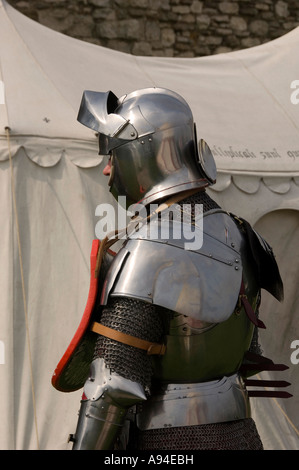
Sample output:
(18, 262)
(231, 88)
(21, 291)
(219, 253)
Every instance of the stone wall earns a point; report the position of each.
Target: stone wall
(171, 28)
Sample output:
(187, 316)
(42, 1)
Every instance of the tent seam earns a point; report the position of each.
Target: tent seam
(268, 92)
(23, 285)
(33, 56)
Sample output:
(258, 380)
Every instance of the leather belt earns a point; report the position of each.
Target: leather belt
(150, 348)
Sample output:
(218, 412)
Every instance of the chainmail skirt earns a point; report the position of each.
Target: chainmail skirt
(234, 435)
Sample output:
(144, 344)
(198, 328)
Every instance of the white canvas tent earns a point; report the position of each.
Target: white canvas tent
(51, 183)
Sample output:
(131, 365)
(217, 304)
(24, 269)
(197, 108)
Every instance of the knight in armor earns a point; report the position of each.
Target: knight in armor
(169, 346)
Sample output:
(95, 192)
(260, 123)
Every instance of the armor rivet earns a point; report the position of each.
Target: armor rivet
(236, 268)
(142, 142)
(236, 260)
(232, 244)
(132, 134)
(150, 139)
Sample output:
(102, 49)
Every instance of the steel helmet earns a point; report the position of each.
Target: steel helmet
(151, 138)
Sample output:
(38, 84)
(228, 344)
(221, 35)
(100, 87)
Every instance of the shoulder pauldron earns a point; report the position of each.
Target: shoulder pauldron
(203, 284)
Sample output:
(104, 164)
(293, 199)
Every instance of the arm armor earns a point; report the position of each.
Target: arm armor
(107, 398)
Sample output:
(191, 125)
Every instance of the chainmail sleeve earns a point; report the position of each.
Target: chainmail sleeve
(135, 318)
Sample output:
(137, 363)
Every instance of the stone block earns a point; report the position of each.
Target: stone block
(196, 7)
(250, 42)
(238, 24)
(152, 31)
(167, 37)
(229, 8)
(181, 9)
(101, 3)
(213, 40)
(142, 48)
(203, 21)
(222, 50)
(259, 28)
(281, 9)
